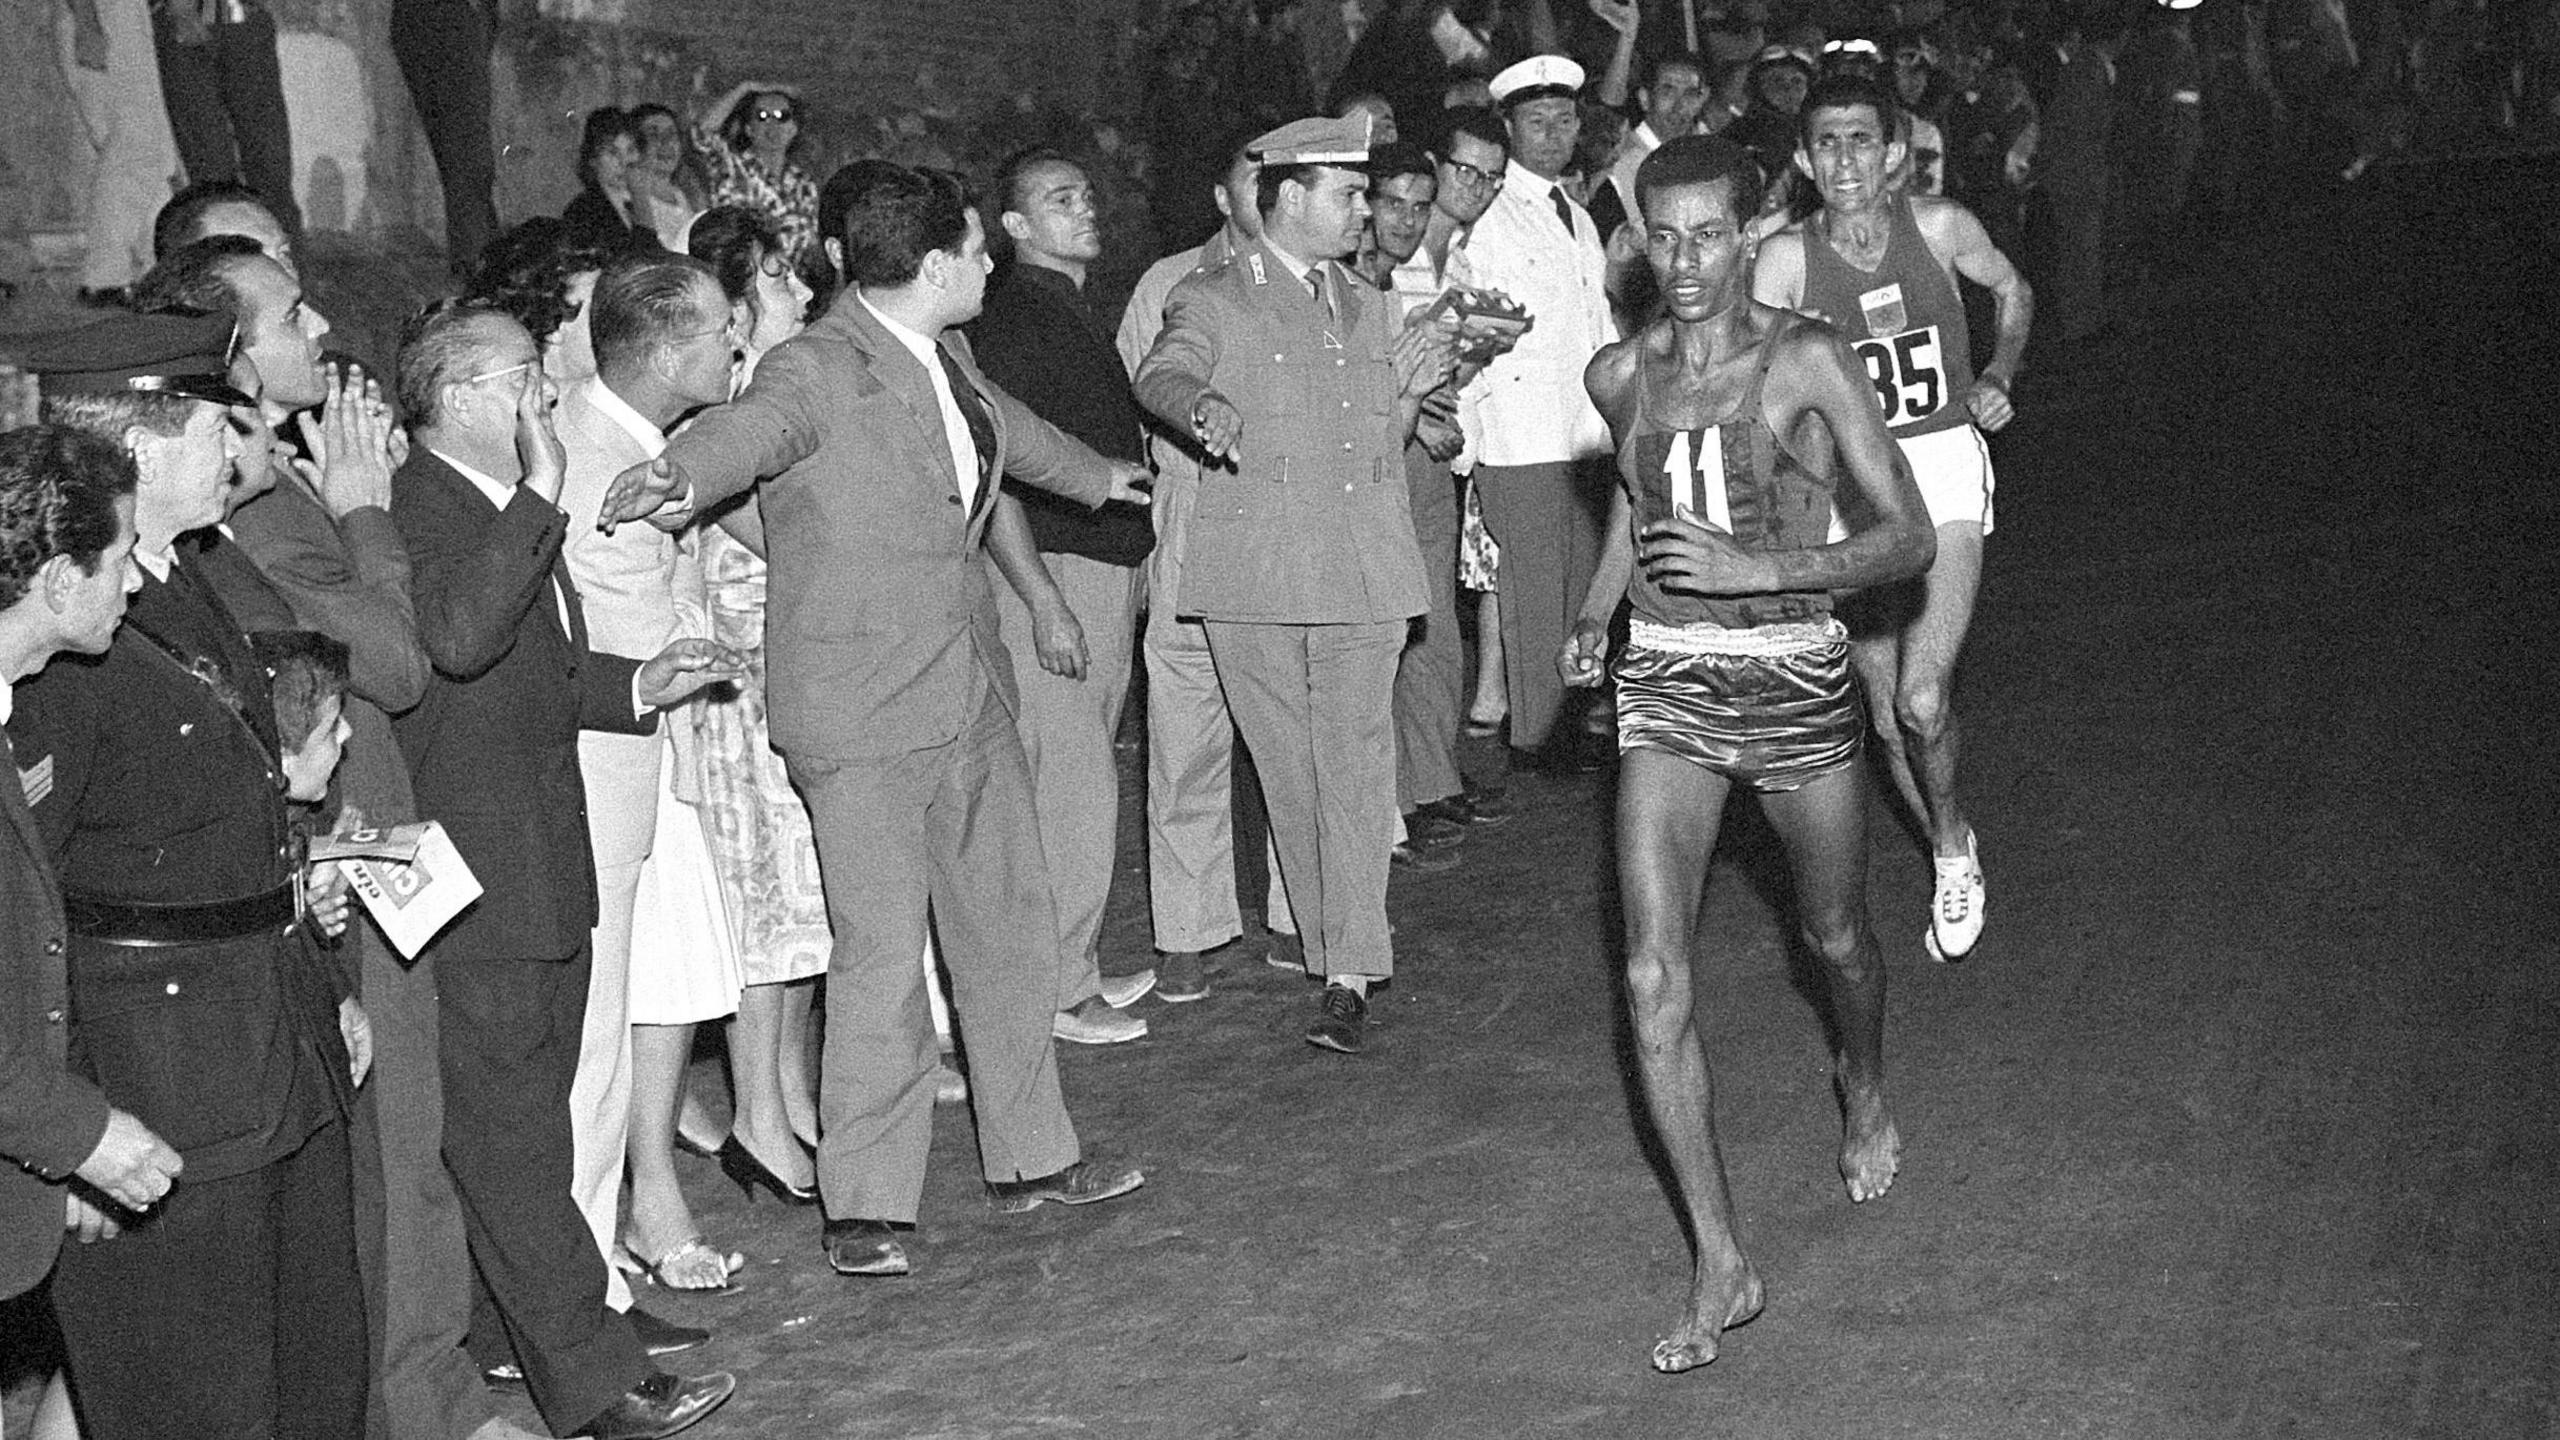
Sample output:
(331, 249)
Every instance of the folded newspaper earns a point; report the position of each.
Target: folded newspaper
(410, 878)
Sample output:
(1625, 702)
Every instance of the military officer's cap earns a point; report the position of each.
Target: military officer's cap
(1540, 77)
(1317, 140)
(184, 355)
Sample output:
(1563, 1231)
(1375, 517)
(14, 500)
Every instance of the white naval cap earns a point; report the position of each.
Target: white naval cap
(1537, 78)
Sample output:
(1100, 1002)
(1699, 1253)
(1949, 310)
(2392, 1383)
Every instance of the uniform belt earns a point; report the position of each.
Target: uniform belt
(142, 922)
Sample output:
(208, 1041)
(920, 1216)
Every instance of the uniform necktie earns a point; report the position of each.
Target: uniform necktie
(1564, 208)
(982, 431)
(1315, 287)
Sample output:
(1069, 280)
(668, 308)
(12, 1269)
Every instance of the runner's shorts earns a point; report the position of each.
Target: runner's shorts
(1769, 712)
(1953, 467)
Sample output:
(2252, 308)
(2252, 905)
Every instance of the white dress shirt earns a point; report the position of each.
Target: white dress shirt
(955, 423)
(1529, 407)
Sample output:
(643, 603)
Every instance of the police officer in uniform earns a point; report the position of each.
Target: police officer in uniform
(231, 1308)
(1302, 565)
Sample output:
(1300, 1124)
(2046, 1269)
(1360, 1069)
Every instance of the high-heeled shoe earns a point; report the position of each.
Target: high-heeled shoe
(741, 1165)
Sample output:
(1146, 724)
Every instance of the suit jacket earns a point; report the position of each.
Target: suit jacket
(154, 778)
(591, 218)
(1313, 524)
(878, 609)
(493, 748)
(50, 1119)
(348, 579)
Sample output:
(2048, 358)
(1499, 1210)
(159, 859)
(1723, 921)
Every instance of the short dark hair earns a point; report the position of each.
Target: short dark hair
(305, 670)
(1844, 90)
(437, 347)
(1702, 160)
(1400, 157)
(605, 124)
(1476, 122)
(525, 272)
(895, 215)
(1019, 164)
(1268, 180)
(643, 301)
(1689, 60)
(182, 218)
(58, 492)
(196, 277)
(733, 240)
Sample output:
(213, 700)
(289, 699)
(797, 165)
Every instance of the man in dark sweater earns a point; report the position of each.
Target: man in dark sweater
(1071, 628)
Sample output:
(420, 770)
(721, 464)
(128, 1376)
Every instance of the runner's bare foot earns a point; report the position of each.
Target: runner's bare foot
(1731, 1293)
(1870, 1149)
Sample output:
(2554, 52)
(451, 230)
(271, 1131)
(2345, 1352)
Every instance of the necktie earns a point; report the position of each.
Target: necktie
(1315, 286)
(1564, 208)
(982, 430)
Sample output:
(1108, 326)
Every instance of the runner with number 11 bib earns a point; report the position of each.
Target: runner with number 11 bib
(1881, 266)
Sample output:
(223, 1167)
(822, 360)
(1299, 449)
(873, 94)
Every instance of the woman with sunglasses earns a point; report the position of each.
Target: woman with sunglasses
(749, 159)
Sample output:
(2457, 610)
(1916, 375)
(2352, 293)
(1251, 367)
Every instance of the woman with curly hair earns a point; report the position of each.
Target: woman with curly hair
(543, 276)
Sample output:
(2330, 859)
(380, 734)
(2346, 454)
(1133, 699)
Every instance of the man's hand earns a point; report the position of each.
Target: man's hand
(642, 491)
(1424, 356)
(1620, 15)
(687, 666)
(1216, 425)
(328, 897)
(1584, 650)
(130, 1164)
(1988, 399)
(357, 1031)
(86, 1221)
(1058, 640)
(1131, 481)
(1682, 555)
(1436, 430)
(546, 460)
(349, 437)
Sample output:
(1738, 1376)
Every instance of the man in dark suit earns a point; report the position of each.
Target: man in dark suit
(493, 753)
(892, 699)
(66, 542)
(154, 776)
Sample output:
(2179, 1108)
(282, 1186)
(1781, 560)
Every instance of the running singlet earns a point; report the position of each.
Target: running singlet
(1905, 320)
(1734, 476)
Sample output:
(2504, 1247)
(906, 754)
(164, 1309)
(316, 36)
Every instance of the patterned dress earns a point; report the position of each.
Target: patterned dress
(739, 178)
(759, 830)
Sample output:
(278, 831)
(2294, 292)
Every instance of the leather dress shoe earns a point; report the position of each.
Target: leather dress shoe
(663, 1337)
(1431, 825)
(1082, 1183)
(865, 1247)
(1421, 859)
(660, 1406)
(1342, 1022)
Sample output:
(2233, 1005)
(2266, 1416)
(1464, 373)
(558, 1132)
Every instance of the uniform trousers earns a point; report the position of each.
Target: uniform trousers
(621, 777)
(953, 826)
(1431, 676)
(1316, 706)
(1547, 520)
(1067, 728)
(233, 1312)
(508, 1042)
(1191, 739)
(226, 107)
(418, 1273)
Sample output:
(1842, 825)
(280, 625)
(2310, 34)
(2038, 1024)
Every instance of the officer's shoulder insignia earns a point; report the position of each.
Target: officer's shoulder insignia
(36, 781)
(1254, 261)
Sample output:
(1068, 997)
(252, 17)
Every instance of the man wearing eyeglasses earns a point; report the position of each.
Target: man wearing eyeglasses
(666, 345)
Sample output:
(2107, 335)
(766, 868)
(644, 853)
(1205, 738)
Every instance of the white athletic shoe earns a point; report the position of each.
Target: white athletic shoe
(1122, 991)
(1955, 912)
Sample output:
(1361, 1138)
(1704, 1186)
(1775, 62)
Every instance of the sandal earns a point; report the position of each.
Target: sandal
(687, 1263)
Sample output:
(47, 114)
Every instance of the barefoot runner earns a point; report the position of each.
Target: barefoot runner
(1736, 425)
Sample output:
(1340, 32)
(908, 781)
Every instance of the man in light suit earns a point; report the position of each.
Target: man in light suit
(892, 698)
(493, 754)
(1532, 436)
(664, 346)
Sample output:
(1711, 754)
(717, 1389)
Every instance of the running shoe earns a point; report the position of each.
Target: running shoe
(1955, 913)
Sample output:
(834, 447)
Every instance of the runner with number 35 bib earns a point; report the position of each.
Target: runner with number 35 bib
(1881, 266)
